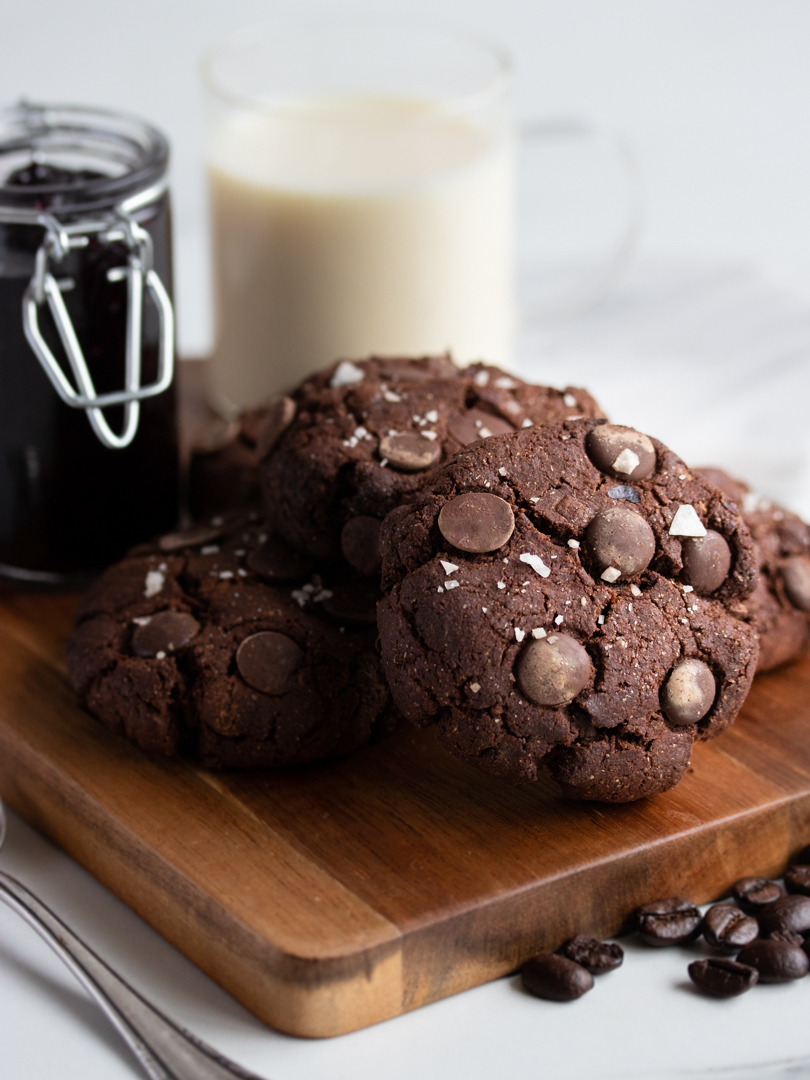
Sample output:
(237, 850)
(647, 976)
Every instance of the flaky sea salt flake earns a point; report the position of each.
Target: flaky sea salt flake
(346, 374)
(536, 563)
(626, 462)
(449, 567)
(686, 522)
(154, 582)
(611, 574)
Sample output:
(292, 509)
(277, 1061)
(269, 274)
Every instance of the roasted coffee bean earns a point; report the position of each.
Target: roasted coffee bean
(553, 670)
(555, 978)
(728, 929)
(723, 978)
(797, 880)
(786, 913)
(595, 956)
(776, 961)
(790, 936)
(673, 921)
(477, 521)
(754, 893)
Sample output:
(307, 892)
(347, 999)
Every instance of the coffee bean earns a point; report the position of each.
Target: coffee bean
(277, 561)
(553, 670)
(802, 858)
(755, 893)
(723, 978)
(790, 936)
(410, 452)
(786, 913)
(360, 544)
(595, 956)
(688, 693)
(476, 424)
(797, 880)
(728, 929)
(622, 452)
(776, 961)
(706, 561)
(192, 537)
(267, 659)
(477, 522)
(796, 576)
(619, 537)
(165, 632)
(354, 601)
(555, 978)
(673, 921)
(278, 417)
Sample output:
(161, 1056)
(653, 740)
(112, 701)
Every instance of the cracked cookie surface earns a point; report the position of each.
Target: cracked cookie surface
(564, 645)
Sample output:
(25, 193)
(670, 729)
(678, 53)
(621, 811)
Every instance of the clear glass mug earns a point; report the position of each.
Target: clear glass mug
(362, 179)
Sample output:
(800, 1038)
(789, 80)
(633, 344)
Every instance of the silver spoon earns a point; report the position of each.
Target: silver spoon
(165, 1050)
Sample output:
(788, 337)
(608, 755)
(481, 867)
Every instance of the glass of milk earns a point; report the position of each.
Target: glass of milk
(362, 187)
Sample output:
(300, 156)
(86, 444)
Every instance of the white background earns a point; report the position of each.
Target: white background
(706, 344)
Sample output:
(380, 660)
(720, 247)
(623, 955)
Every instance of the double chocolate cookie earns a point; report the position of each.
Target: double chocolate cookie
(779, 607)
(565, 596)
(352, 442)
(223, 474)
(219, 642)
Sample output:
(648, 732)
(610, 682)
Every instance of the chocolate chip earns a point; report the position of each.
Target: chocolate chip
(165, 632)
(776, 961)
(354, 601)
(688, 693)
(728, 929)
(621, 452)
(476, 424)
(280, 414)
(553, 670)
(193, 537)
(277, 561)
(797, 880)
(410, 452)
(796, 576)
(786, 913)
(753, 894)
(620, 538)
(624, 491)
(266, 661)
(594, 955)
(706, 561)
(360, 544)
(476, 521)
(723, 978)
(555, 978)
(673, 921)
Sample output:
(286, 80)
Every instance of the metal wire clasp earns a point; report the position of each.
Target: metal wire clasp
(60, 239)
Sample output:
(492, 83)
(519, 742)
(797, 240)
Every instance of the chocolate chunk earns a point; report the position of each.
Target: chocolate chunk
(621, 539)
(625, 492)
(354, 601)
(594, 955)
(267, 659)
(776, 961)
(279, 415)
(797, 880)
(753, 894)
(673, 921)
(553, 670)
(193, 537)
(476, 424)
(796, 576)
(689, 692)
(723, 978)
(165, 632)
(622, 452)
(786, 913)
(277, 561)
(477, 522)
(555, 978)
(706, 561)
(728, 929)
(360, 544)
(410, 452)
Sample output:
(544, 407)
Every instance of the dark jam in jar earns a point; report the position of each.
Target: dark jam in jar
(68, 504)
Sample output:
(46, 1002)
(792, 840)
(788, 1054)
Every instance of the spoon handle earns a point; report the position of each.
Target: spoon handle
(165, 1050)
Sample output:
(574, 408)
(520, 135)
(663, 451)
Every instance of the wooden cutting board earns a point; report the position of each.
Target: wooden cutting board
(331, 897)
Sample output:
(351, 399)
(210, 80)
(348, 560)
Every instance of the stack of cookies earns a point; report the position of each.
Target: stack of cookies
(549, 590)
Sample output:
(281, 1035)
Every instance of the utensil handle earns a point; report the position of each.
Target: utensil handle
(165, 1050)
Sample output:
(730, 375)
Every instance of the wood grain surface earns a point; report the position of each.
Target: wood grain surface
(331, 897)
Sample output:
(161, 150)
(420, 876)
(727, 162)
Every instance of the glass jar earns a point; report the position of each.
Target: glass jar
(88, 426)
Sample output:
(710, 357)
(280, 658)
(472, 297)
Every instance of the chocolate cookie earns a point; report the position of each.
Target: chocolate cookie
(218, 642)
(779, 608)
(368, 433)
(541, 609)
(223, 471)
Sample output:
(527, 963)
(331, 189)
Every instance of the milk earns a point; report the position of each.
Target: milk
(353, 226)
